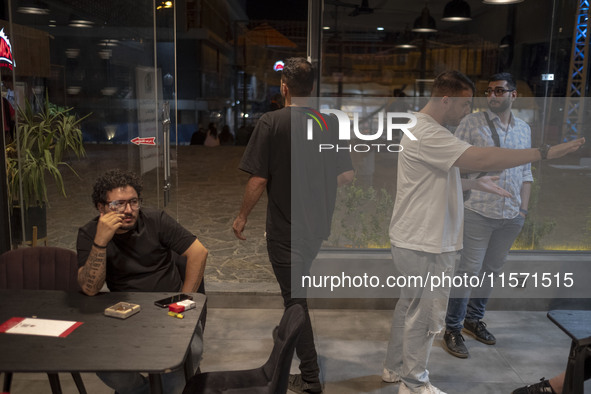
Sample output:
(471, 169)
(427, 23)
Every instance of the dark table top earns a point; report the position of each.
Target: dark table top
(150, 341)
(575, 323)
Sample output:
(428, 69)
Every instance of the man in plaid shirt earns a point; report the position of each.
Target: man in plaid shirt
(491, 222)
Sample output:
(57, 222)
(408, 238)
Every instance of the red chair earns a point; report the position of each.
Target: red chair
(40, 268)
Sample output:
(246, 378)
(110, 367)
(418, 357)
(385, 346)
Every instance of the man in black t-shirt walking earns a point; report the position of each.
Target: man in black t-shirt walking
(304, 190)
(136, 249)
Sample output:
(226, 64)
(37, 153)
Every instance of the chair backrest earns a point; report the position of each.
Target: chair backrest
(279, 363)
(39, 268)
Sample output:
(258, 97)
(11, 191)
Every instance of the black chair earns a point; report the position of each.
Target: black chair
(40, 268)
(271, 378)
(577, 325)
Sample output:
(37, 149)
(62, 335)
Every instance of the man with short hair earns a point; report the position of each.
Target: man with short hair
(132, 248)
(427, 220)
(491, 222)
(304, 192)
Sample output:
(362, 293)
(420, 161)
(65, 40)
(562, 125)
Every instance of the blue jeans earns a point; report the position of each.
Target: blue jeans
(172, 382)
(419, 314)
(486, 245)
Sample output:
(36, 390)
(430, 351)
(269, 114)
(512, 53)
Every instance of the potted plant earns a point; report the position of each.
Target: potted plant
(38, 149)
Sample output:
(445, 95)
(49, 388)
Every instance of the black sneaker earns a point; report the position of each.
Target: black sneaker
(477, 329)
(453, 342)
(538, 388)
(298, 385)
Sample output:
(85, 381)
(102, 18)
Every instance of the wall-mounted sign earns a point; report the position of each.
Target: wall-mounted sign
(6, 59)
(144, 141)
(278, 66)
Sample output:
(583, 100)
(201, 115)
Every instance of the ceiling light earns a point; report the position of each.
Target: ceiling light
(406, 46)
(73, 90)
(502, 1)
(33, 8)
(380, 28)
(326, 28)
(165, 4)
(109, 42)
(80, 23)
(456, 11)
(105, 54)
(109, 91)
(424, 23)
(404, 39)
(72, 53)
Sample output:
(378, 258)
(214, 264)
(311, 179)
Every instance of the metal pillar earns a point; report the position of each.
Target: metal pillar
(577, 78)
(314, 39)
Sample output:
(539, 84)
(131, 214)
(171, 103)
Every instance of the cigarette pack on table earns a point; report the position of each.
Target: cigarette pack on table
(181, 306)
(122, 310)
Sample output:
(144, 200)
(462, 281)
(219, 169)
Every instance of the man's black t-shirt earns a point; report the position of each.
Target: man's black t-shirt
(141, 259)
(301, 180)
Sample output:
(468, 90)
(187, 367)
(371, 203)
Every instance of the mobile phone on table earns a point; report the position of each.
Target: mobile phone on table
(163, 303)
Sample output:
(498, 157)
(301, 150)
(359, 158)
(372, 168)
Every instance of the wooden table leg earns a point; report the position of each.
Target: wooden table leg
(155, 383)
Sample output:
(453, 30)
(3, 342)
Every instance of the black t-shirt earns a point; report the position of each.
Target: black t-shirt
(301, 180)
(142, 259)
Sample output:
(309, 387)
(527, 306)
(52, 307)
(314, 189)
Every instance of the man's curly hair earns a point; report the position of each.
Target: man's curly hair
(112, 180)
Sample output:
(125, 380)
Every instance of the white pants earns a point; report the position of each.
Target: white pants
(419, 314)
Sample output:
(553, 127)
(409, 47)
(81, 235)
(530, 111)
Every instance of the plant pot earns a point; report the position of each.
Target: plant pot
(34, 217)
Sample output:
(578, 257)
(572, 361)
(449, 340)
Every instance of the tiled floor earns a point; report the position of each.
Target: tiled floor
(352, 343)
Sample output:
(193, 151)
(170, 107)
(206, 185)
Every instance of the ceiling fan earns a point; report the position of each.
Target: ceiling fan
(358, 9)
(363, 9)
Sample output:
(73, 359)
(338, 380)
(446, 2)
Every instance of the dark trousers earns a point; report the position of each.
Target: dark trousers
(286, 257)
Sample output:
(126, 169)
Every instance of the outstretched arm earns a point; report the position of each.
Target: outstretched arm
(254, 189)
(196, 257)
(494, 159)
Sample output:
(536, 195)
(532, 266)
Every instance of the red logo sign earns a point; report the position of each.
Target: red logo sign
(6, 59)
(144, 141)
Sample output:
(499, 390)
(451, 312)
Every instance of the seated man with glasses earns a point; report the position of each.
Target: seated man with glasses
(137, 249)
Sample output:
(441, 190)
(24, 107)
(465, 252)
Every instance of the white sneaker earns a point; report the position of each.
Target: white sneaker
(390, 376)
(427, 389)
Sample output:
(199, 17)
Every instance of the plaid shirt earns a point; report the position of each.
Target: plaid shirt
(474, 129)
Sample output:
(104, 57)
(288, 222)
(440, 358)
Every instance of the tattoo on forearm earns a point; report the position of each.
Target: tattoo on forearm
(93, 274)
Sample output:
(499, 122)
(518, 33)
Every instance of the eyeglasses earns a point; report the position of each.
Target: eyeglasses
(498, 91)
(119, 206)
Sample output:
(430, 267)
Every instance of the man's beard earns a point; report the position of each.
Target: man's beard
(129, 226)
(502, 107)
